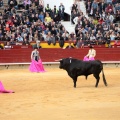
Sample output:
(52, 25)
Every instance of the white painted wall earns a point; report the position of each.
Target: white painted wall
(66, 3)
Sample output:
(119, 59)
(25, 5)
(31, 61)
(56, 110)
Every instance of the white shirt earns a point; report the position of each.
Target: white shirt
(75, 20)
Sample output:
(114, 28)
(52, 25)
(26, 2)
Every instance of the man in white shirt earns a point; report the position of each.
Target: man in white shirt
(76, 19)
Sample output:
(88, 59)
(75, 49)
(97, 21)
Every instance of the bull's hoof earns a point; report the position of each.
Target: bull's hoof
(106, 84)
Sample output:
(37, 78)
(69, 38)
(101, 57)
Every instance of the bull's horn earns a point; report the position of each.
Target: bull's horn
(58, 60)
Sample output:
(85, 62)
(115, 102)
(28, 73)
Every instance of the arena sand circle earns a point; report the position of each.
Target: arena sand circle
(51, 96)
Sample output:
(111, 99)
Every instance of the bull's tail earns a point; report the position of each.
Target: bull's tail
(104, 79)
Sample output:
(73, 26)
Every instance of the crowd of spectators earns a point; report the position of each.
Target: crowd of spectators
(35, 23)
(26, 21)
(102, 24)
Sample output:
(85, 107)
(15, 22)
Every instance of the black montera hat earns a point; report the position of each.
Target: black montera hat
(35, 47)
(91, 46)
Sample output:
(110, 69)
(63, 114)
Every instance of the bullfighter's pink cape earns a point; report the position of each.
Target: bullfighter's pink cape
(88, 59)
(36, 66)
(3, 90)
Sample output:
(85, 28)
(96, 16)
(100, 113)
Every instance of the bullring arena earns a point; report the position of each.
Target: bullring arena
(51, 96)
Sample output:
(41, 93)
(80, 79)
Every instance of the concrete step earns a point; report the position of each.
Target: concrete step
(81, 6)
(68, 26)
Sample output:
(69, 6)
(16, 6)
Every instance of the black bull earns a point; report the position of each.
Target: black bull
(75, 68)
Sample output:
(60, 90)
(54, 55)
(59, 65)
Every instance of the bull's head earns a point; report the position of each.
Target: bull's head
(64, 63)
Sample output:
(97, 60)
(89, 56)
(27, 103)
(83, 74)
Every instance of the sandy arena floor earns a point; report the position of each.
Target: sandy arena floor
(51, 96)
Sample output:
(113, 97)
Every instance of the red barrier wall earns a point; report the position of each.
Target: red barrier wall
(50, 55)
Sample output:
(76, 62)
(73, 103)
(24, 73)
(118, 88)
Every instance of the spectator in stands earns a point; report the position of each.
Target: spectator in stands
(55, 10)
(1, 3)
(94, 7)
(117, 38)
(87, 36)
(30, 37)
(40, 7)
(47, 9)
(13, 29)
(73, 15)
(109, 1)
(7, 28)
(78, 26)
(61, 41)
(53, 40)
(92, 37)
(19, 38)
(98, 34)
(41, 2)
(103, 15)
(1, 35)
(74, 7)
(82, 36)
(110, 17)
(109, 9)
(25, 42)
(97, 15)
(8, 34)
(77, 19)
(88, 7)
(35, 37)
(61, 11)
(100, 20)
(20, 4)
(57, 37)
(36, 2)
(107, 39)
(41, 16)
(101, 7)
(117, 16)
(117, 7)
(53, 31)
(7, 45)
(5, 38)
(47, 18)
(9, 23)
(95, 21)
(50, 39)
(38, 44)
(105, 28)
(12, 3)
(27, 4)
(80, 44)
(112, 36)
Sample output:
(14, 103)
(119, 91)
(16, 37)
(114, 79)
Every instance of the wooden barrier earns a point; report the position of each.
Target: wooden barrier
(44, 44)
(50, 55)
